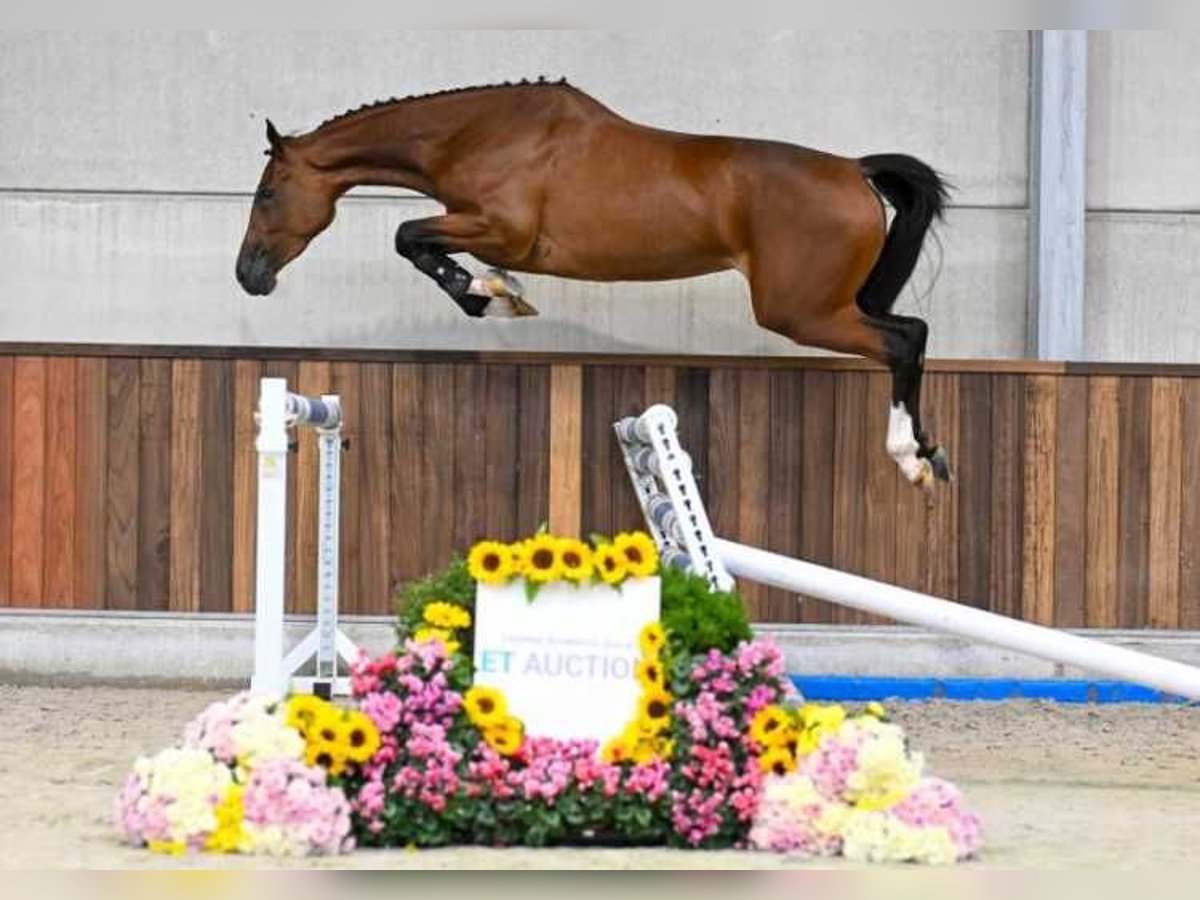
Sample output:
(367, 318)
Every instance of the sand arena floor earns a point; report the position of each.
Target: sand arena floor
(1057, 786)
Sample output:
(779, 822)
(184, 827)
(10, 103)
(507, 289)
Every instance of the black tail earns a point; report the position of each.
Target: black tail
(919, 196)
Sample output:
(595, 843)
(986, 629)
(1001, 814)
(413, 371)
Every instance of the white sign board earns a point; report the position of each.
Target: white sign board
(565, 662)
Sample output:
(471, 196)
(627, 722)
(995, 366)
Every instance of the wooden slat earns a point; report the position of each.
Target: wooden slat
(692, 409)
(313, 379)
(124, 414)
(1070, 503)
(816, 507)
(785, 463)
(753, 474)
(502, 451)
(566, 450)
(154, 485)
(407, 499)
(246, 374)
(533, 450)
(973, 478)
(598, 386)
(1041, 411)
(29, 481)
(1008, 494)
(60, 527)
(1166, 464)
(470, 463)
(437, 469)
(628, 400)
(1133, 575)
(6, 483)
(724, 453)
(1103, 502)
(940, 410)
(882, 482)
(216, 485)
(849, 481)
(91, 482)
(659, 385)
(347, 384)
(187, 379)
(1189, 513)
(375, 583)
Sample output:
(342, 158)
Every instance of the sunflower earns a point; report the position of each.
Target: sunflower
(328, 726)
(651, 640)
(329, 755)
(542, 560)
(666, 749)
(361, 737)
(816, 721)
(609, 564)
(441, 614)
(302, 710)
(490, 562)
(576, 559)
(654, 710)
(485, 706)
(615, 751)
(649, 673)
(437, 634)
(772, 727)
(227, 836)
(506, 737)
(639, 552)
(777, 761)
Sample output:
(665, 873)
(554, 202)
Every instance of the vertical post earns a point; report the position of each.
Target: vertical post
(1058, 201)
(272, 446)
(328, 514)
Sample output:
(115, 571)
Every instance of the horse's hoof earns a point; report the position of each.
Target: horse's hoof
(506, 291)
(940, 465)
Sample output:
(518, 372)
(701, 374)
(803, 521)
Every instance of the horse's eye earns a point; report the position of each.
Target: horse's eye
(264, 193)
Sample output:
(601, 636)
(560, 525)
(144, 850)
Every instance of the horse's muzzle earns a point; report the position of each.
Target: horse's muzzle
(255, 272)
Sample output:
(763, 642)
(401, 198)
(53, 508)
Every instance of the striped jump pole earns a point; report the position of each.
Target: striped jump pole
(278, 412)
(661, 473)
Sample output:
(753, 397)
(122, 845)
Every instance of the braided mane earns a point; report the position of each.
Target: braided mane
(379, 104)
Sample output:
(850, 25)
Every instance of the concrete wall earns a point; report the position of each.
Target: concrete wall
(127, 160)
(1143, 195)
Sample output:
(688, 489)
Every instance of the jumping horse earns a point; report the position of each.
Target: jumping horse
(540, 177)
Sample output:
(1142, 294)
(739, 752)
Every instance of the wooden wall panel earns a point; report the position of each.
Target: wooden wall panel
(128, 482)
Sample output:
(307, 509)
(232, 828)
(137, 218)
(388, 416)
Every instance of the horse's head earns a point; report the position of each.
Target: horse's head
(293, 204)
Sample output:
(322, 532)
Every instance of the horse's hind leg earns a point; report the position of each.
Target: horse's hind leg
(428, 243)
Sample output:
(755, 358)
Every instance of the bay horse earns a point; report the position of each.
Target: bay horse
(540, 177)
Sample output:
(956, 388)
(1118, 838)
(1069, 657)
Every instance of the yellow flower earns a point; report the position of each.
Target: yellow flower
(490, 562)
(329, 755)
(609, 563)
(654, 710)
(576, 559)
(361, 737)
(485, 706)
(542, 560)
(227, 836)
(171, 848)
(506, 737)
(638, 550)
(302, 709)
(777, 761)
(437, 634)
(772, 727)
(666, 749)
(651, 640)
(649, 673)
(441, 614)
(876, 711)
(615, 751)
(816, 721)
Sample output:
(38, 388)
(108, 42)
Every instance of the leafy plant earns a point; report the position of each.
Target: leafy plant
(452, 584)
(699, 619)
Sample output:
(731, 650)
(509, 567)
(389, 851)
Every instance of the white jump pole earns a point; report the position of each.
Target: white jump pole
(279, 410)
(652, 455)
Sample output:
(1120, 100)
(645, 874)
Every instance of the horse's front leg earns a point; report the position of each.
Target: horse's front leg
(428, 243)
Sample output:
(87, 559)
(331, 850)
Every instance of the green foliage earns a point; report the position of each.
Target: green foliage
(453, 585)
(697, 618)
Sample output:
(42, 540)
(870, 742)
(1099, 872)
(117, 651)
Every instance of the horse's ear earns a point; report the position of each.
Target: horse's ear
(273, 137)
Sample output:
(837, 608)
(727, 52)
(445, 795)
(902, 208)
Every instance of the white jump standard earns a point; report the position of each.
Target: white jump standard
(677, 519)
(279, 410)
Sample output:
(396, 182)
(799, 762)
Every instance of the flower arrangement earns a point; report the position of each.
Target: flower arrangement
(719, 752)
(252, 774)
